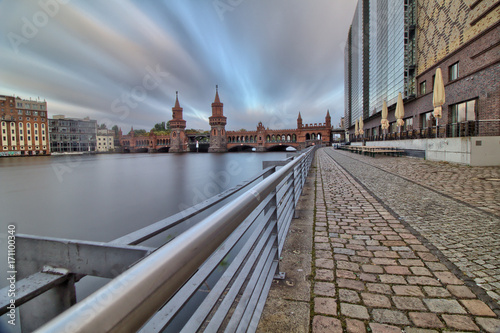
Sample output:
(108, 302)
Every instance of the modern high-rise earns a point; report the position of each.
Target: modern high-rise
(379, 56)
(23, 126)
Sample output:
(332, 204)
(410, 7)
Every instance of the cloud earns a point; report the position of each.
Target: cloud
(271, 59)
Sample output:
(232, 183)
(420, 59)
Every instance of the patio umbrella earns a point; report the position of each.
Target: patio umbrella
(361, 125)
(438, 97)
(356, 130)
(400, 111)
(384, 122)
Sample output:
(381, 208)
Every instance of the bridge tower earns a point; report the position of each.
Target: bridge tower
(218, 140)
(177, 125)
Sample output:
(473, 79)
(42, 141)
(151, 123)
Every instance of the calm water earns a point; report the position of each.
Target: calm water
(103, 197)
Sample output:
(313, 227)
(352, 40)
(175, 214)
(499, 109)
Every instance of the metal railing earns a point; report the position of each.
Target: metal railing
(453, 130)
(239, 244)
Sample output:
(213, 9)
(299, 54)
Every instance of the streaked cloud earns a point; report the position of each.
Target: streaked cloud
(271, 59)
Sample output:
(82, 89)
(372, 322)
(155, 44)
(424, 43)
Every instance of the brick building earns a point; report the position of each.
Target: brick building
(23, 126)
(462, 37)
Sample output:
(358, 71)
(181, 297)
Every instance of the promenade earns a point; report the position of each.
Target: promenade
(391, 244)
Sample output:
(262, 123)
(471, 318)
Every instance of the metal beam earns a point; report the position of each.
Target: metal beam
(80, 257)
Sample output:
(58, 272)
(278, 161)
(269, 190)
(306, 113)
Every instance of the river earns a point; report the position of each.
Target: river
(103, 197)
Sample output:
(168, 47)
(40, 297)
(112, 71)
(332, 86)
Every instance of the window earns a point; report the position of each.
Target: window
(465, 111)
(20, 112)
(453, 70)
(408, 124)
(423, 88)
(428, 120)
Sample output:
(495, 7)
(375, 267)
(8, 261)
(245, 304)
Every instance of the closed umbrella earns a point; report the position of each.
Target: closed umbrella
(438, 97)
(400, 112)
(361, 125)
(384, 122)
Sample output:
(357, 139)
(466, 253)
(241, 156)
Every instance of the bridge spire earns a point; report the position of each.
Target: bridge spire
(217, 100)
(299, 122)
(177, 106)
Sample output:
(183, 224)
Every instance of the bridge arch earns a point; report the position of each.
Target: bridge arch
(241, 147)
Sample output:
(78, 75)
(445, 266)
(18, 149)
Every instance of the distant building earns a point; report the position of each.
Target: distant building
(105, 140)
(24, 126)
(396, 47)
(72, 134)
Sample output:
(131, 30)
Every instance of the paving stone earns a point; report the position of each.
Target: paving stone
(376, 300)
(490, 325)
(408, 303)
(392, 279)
(325, 263)
(436, 292)
(423, 281)
(444, 306)
(354, 311)
(355, 326)
(325, 305)
(324, 289)
(448, 278)
(372, 269)
(460, 322)
(351, 284)
(408, 290)
(349, 296)
(425, 319)
(345, 274)
(368, 277)
(323, 324)
(324, 274)
(461, 291)
(348, 266)
(478, 308)
(390, 317)
(436, 266)
(420, 271)
(398, 270)
(382, 328)
(419, 330)
(379, 288)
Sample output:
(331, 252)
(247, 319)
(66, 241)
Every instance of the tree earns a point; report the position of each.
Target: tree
(160, 127)
(140, 132)
(103, 126)
(116, 129)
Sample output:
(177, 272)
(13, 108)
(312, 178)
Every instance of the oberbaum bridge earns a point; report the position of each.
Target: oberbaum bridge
(219, 140)
(214, 276)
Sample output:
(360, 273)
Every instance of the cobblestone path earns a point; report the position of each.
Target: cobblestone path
(465, 235)
(373, 273)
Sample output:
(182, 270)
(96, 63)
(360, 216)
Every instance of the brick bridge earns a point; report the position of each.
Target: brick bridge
(220, 140)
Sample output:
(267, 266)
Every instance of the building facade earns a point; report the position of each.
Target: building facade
(408, 41)
(72, 135)
(23, 126)
(105, 140)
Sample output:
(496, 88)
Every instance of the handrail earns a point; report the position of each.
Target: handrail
(129, 300)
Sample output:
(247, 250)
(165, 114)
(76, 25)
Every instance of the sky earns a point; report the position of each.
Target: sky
(122, 61)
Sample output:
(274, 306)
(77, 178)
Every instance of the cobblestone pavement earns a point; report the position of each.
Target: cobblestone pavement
(465, 235)
(478, 186)
(373, 273)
